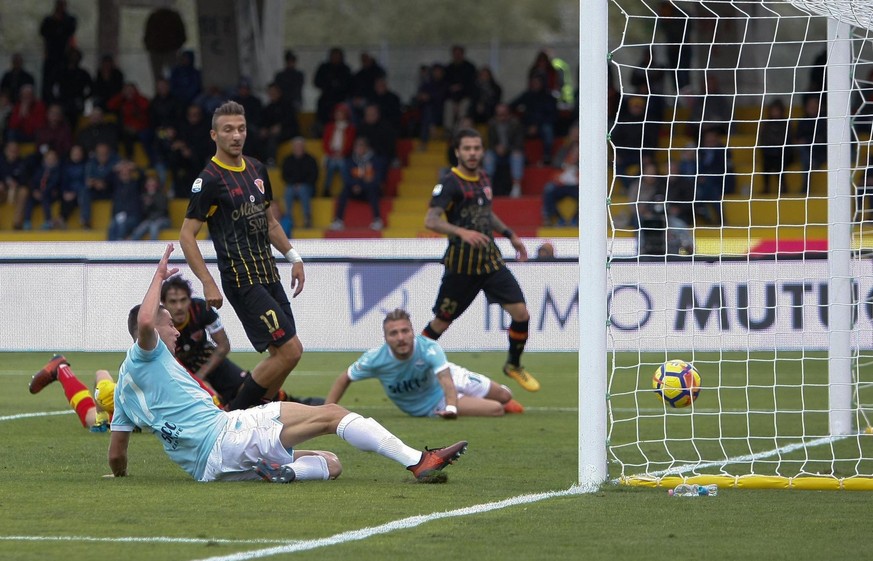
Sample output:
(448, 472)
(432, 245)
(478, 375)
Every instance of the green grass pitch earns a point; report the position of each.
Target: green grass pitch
(55, 504)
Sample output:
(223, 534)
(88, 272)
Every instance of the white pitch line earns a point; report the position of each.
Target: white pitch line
(155, 539)
(401, 524)
(37, 414)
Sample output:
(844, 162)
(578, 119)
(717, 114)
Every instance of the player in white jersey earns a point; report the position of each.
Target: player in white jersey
(416, 376)
(154, 392)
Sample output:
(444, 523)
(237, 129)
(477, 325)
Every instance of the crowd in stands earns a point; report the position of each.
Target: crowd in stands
(97, 137)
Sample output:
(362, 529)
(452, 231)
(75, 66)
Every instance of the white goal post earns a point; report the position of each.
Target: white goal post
(752, 257)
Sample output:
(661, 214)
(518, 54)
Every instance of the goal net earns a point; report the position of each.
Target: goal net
(737, 208)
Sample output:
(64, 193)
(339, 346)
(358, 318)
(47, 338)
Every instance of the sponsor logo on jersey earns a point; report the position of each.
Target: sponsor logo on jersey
(198, 185)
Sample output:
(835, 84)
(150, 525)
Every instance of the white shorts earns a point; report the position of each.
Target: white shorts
(468, 383)
(250, 434)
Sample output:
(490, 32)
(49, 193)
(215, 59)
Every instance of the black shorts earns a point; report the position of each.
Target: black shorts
(265, 313)
(457, 292)
(226, 379)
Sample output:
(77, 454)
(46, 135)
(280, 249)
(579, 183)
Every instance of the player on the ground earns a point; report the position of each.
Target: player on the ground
(416, 376)
(203, 344)
(155, 392)
(473, 262)
(94, 412)
(233, 196)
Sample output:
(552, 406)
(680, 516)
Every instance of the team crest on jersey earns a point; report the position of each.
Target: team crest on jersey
(259, 183)
(437, 190)
(198, 184)
(487, 191)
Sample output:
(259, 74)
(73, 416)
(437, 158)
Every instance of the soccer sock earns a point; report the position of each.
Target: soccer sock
(250, 393)
(517, 339)
(307, 468)
(369, 436)
(430, 332)
(78, 395)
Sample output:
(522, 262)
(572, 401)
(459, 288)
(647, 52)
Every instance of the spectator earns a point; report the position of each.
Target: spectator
(189, 150)
(290, 80)
(27, 116)
(72, 87)
(381, 137)
(715, 177)
(55, 134)
(15, 173)
(133, 119)
(57, 30)
(565, 91)
(186, 82)
(163, 36)
(461, 81)
(711, 108)
(108, 81)
(278, 123)
(98, 180)
(339, 134)
(155, 210)
(210, 99)
(633, 139)
(543, 69)
(811, 138)
(505, 148)
(127, 193)
(680, 185)
(254, 109)
(45, 189)
(487, 94)
(15, 77)
(388, 102)
(72, 182)
(300, 174)
(649, 187)
(5, 113)
(334, 79)
(648, 75)
(363, 84)
(774, 144)
(165, 115)
(564, 185)
(680, 235)
(97, 130)
(539, 112)
(545, 252)
(677, 28)
(360, 182)
(433, 89)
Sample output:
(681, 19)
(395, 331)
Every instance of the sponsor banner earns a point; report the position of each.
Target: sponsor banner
(82, 304)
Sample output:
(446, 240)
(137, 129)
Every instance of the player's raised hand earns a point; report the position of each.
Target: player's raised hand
(163, 270)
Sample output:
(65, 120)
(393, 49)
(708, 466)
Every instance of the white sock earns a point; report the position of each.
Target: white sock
(370, 436)
(307, 468)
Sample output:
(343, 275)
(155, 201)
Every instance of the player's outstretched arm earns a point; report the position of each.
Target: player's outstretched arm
(339, 388)
(118, 442)
(146, 320)
(188, 240)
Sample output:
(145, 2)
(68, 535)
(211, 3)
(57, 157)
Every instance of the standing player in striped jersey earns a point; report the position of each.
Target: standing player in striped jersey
(473, 262)
(232, 196)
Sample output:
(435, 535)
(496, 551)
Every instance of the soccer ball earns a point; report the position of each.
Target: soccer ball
(677, 383)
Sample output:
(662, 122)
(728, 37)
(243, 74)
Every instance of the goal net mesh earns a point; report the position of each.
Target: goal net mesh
(718, 238)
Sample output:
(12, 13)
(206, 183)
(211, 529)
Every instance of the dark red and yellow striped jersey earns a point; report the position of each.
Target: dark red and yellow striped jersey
(234, 202)
(467, 203)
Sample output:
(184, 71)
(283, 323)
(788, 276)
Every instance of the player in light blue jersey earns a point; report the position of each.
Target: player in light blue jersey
(154, 392)
(416, 376)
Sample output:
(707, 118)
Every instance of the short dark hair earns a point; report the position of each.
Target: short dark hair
(132, 320)
(227, 108)
(462, 134)
(396, 314)
(176, 281)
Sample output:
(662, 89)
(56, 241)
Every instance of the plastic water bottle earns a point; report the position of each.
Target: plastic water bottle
(690, 490)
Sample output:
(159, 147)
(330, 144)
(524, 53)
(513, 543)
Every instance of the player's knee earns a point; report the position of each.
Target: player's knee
(500, 393)
(291, 352)
(334, 467)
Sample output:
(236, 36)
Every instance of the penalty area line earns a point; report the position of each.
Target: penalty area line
(393, 526)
